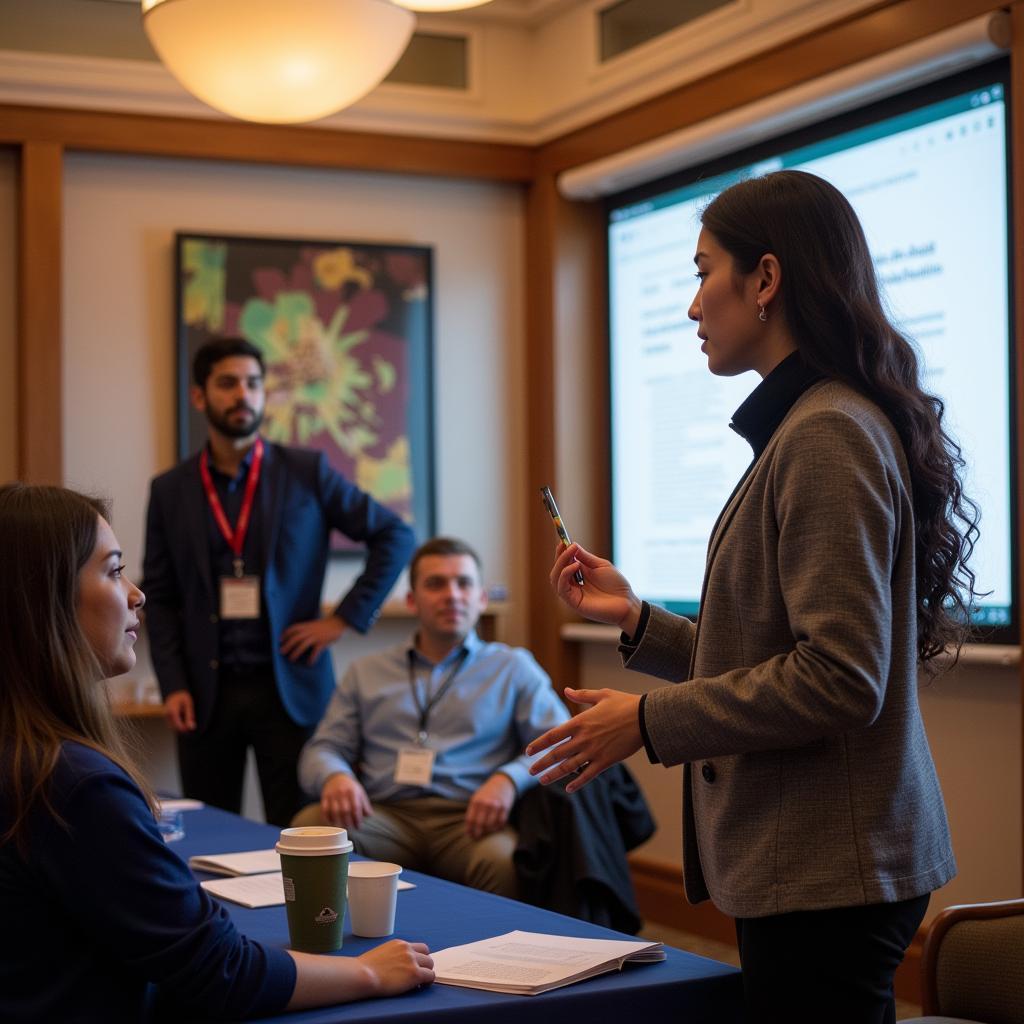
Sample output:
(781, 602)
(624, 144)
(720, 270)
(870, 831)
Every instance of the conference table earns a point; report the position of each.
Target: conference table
(684, 988)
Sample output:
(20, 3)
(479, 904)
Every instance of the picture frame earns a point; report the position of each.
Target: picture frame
(346, 333)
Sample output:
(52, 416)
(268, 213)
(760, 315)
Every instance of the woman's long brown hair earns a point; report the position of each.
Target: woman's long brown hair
(51, 689)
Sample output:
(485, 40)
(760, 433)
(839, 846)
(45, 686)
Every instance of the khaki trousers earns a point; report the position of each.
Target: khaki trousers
(428, 834)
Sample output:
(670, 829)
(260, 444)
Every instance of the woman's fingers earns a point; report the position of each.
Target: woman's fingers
(585, 696)
(563, 556)
(548, 739)
(574, 765)
(587, 771)
(558, 756)
(566, 568)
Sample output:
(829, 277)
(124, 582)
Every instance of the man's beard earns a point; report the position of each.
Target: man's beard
(223, 425)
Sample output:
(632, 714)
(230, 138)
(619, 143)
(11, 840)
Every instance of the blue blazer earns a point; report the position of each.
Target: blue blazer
(301, 499)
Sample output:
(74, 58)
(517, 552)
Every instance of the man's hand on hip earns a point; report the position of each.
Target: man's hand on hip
(343, 801)
(180, 711)
(312, 637)
(490, 806)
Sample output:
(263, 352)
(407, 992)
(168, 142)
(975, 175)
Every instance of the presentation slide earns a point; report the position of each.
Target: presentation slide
(930, 189)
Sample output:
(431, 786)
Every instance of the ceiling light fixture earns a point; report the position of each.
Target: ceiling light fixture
(425, 6)
(264, 60)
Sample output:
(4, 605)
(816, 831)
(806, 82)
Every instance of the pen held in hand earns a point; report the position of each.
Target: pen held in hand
(563, 535)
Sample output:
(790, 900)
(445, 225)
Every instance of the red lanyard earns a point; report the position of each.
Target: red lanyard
(235, 537)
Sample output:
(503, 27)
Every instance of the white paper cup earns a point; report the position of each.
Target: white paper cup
(372, 894)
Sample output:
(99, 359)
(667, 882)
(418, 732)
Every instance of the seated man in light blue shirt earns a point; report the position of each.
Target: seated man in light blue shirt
(420, 753)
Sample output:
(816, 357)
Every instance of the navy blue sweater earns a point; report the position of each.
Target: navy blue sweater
(100, 909)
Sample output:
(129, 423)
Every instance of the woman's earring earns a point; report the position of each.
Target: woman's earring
(761, 314)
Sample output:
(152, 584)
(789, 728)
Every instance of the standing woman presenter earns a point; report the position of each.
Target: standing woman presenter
(100, 918)
(812, 812)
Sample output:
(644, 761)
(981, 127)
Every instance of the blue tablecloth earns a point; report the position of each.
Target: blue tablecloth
(685, 988)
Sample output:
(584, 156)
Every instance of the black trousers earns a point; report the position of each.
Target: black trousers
(826, 965)
(248, 713)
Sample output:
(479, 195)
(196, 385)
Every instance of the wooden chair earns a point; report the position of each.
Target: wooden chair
(973, 965)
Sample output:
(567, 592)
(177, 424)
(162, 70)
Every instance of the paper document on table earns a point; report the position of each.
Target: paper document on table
(252, 862)
(250, 890)
(264, 890)
(527, 963)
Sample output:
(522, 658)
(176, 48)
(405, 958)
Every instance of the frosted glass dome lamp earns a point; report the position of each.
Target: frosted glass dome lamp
(264, 60)
(426, 6)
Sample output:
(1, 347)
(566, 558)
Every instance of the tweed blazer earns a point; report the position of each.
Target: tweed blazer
(808, 781)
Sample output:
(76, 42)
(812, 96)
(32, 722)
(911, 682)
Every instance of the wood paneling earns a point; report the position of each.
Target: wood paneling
(40, 386)
(543, 614)
(846, 42)
(195, 138)
(567, 401)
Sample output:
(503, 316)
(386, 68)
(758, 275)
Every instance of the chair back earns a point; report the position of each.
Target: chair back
(974, 963)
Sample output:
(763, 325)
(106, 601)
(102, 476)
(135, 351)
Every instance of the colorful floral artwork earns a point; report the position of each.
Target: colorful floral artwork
(344, 328)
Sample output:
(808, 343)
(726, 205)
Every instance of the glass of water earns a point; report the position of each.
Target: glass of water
(171, 825)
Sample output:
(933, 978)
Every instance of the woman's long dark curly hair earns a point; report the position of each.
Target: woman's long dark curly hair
(831, 304)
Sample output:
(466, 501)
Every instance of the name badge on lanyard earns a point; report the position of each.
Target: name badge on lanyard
(240, 597)
(415, 765)
(239, 594)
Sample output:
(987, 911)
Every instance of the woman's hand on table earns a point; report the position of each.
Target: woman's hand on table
(386, 970)
(398, 966)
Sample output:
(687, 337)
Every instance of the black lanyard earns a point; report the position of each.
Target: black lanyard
(441, 690)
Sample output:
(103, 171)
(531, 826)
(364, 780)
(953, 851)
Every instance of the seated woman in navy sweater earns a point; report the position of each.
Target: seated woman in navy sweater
(96, 910)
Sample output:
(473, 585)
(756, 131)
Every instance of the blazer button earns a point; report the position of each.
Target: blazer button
(214, 663)
(707, 769)
(213, 617)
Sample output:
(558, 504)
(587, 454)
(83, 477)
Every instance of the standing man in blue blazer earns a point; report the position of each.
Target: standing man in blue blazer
(236, 550)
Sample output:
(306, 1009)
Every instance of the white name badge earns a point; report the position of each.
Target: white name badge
(415, 766)
(240, 597)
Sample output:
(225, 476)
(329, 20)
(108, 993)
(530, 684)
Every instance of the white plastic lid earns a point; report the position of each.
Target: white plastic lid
(313, 841)
(373, 869)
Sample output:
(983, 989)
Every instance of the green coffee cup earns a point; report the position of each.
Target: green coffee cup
(314, 866)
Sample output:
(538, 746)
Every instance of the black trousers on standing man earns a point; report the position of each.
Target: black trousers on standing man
(248, 713)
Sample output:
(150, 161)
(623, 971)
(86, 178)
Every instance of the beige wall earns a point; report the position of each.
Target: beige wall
(8, 313)
(973, 718)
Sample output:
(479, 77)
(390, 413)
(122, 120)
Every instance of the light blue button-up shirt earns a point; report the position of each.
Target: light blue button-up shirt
(499, 700)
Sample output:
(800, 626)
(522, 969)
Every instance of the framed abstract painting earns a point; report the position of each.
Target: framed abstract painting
(345, 329)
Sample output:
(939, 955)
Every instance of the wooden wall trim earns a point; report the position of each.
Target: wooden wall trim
(567, 402)
(1017, 244)
(38, 346)
(202, 139)
(825, 50)
(542, 205)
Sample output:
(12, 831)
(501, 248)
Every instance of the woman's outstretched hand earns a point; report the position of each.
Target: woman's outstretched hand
(583, 747)
(605, 596)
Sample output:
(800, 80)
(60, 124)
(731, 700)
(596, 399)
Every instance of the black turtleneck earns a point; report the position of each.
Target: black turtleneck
(766, 406)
